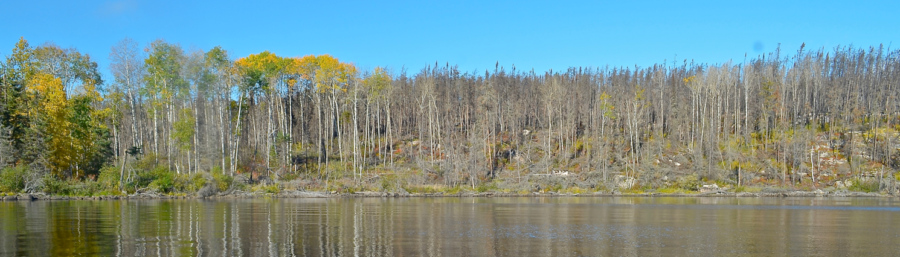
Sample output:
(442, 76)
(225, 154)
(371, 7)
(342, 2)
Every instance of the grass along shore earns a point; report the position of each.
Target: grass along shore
(164, 184)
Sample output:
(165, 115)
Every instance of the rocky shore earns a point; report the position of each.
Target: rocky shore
(312, 194)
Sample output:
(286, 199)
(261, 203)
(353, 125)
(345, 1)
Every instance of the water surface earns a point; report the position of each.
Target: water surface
(519, 226)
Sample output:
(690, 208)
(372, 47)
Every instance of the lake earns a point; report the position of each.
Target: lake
(451, 226)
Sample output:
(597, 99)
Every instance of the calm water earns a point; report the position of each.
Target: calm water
(573, 226)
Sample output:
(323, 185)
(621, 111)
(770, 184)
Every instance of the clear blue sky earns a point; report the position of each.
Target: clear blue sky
(472, 34)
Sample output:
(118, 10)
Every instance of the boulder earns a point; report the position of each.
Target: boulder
(709, 188)
(840, 184)
(369, 194)
(819, 192)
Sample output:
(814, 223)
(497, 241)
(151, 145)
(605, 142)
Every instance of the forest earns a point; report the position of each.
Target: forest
(176, 121)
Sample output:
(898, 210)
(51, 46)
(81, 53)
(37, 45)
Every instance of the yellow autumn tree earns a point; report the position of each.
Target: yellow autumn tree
(306, 67)
(264, 73)
(332, 74)
(51, 108)
(259, 69)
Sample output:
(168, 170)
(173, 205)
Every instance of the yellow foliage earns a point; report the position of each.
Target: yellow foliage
(605, 107)
(305, 66)
(266, 62)
(49, 91)
(263, 68)
(689, 80)
(673, 190)
(332, 73)
(52, 104)
(67, 123)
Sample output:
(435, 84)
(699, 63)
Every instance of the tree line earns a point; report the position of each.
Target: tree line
(773, 118)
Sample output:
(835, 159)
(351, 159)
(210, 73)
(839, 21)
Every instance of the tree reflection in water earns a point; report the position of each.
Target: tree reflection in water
(451, 227)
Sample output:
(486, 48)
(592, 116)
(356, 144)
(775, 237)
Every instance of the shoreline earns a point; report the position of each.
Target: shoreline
(319, 194)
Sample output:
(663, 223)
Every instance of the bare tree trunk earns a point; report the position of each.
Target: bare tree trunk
(237, 135)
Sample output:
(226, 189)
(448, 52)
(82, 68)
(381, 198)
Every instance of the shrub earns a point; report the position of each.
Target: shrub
(388, 182)
(55, 186)
(485, 187)
(454, 190)
(689, 182)
(144, 178)
(574, 190)
(198, 181)
(672, 190)
(747, 189)
(221, 181)
(553, 187)
(185, 183)
(271, 189)
(109, 178)
(867, 186)
(162, 180)
(12, 179)
(85, 188)
(633, 190)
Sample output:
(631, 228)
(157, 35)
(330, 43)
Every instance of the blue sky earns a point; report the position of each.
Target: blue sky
(472, 34)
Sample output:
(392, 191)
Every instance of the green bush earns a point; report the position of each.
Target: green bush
(689, 182)
(86, 188)
(144, 178)
(147, 162)
(109, 178)
(672, 190)
(388, 182)
(271, 189)
(484, 187)
(555, 187)
(424, 189)
(222, 181)
(188, 183)
(55, 186)
(198, 181)
(162, 180)
(454, 190)
(12, 179)
(867, 186)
